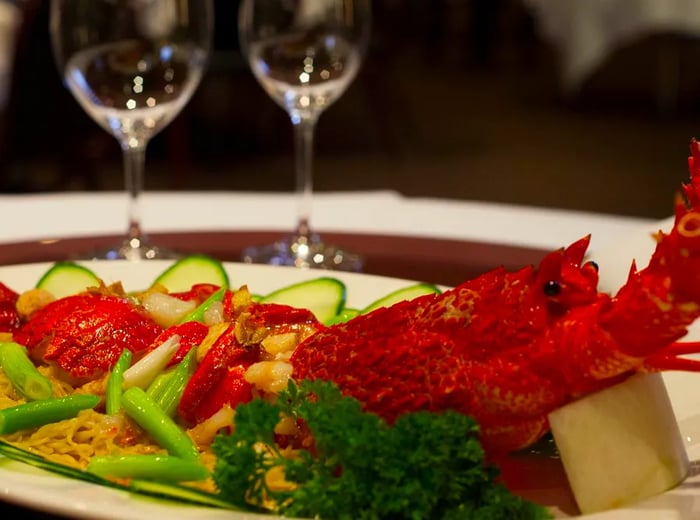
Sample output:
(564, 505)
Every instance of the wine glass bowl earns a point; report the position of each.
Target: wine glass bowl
(132, 107)
(304, 54)
(329, 64)
(132, 65)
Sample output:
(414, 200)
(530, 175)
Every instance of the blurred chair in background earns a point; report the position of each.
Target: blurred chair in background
(587, 33)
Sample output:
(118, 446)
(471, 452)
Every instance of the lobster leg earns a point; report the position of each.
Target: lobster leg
(662, 363)
(680, 348)
(669, 358)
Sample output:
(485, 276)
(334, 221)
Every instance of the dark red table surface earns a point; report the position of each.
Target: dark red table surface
(426, 259)
(434, 260)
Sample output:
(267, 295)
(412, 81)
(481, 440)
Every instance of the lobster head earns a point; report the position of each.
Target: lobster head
(565, 280)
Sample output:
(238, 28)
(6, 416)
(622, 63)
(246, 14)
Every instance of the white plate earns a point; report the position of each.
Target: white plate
(45, 492)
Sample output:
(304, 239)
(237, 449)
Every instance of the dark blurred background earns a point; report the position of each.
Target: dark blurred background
(459, 99)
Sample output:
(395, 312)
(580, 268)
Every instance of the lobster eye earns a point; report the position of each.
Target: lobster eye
(552, 288)
(592, 264)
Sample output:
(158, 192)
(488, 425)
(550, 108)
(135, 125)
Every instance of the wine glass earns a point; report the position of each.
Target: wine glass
(304, 53)
(132, 65)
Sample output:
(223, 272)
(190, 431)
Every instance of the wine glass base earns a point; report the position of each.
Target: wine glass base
(134, 250)
(305, 253)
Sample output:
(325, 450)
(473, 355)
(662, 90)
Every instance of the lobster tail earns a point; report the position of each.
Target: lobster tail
(677, 254)
(665, 296)
(692, 189)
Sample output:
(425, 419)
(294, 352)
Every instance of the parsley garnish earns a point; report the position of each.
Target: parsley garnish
(424, 466)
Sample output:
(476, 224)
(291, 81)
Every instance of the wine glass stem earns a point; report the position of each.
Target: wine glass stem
(304, 128)
(134, 162)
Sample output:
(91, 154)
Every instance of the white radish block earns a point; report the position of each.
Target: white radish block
(620, 445)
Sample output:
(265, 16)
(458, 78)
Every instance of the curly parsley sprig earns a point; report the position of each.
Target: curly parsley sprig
(424, 466)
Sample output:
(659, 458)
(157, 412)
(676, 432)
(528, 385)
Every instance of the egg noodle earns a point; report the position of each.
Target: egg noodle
(75, 441)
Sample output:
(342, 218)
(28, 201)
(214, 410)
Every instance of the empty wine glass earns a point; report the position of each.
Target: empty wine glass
(304, 53)
(132, 65)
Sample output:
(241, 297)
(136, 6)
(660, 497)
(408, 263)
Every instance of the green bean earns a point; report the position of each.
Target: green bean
(162, 468)
(170, 394)
(39, 413)
(22, 373)
(164, 382)
(198, 313)
(113, 394)
(157, 387)
(157, 424)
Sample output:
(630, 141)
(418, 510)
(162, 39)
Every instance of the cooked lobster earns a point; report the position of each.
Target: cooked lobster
(510, 347)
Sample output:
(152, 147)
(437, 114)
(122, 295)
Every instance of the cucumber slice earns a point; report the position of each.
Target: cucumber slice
(66, 278)
(190, 270)
(405, 293)
(344, 315)
(324, 296)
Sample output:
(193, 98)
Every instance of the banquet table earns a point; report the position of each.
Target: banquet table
(441, 241)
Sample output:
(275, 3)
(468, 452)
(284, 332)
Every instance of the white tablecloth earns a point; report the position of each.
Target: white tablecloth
(585, 32)
(46, 216)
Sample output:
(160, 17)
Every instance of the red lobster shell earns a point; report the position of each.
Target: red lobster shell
(510, 347)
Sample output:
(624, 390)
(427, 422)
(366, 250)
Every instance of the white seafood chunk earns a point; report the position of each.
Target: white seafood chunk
(620, 445)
